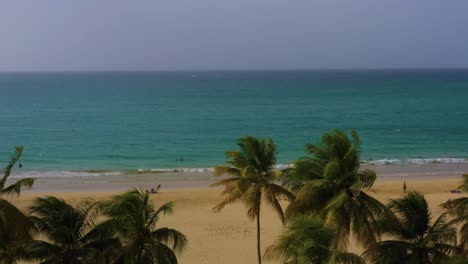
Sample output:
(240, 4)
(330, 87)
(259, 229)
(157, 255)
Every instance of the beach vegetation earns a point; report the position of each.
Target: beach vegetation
(458, 208)
(329, 183)
(308, 240)
(70, 234)
(413, 235)
(134, 219)
(251, 179)
(15, 227)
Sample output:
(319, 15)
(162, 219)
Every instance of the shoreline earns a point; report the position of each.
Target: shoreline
(197, 180)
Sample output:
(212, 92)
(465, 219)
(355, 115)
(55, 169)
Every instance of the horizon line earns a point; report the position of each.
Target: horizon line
(243, 70)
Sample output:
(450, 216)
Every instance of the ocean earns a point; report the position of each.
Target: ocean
(125, 121)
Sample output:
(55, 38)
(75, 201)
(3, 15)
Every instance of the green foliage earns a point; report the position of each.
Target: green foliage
(15, 187)
(15, 227)
(307, 240)
(252, 178)
(133, 218)
(414, 237)
(71, 235)
(458, 208)
(329, 183)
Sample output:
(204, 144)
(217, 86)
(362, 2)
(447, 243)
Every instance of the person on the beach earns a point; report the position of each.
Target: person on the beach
(404, 186)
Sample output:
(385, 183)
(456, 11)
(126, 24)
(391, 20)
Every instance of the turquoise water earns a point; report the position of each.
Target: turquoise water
(126, 121)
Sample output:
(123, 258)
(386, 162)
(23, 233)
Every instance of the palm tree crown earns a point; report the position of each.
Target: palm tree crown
(70, 232)
(329, 183)
(253, 177)
(307, 240)
(417, 240)
(134, 219)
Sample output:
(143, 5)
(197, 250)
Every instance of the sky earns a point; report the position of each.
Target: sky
(94, 35)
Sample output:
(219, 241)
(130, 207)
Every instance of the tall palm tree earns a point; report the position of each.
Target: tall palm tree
(71, 235)
(307, 240)
(253, 177)
(134, 219)
(14, 225)
(330, 184)
(413, 238)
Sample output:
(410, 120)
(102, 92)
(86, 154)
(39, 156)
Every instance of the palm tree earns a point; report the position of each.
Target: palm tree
(253, 177)
(414, 239)
(71, 235)
(133, 218)
(307, 240)
(14, 225)
(458, 208)
(16, 187)
(330, 184)
(15, 229)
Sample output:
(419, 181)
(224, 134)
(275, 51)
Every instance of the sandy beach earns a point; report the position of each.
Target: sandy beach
(228, 236)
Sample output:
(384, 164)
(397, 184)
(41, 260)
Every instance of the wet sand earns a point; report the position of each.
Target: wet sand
(184, 180)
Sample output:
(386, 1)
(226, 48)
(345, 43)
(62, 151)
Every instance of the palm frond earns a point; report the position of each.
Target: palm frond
(165, 255)
(252, 200)
(389, 251)
(420, 241)
(346, 258)
(308, 240)
(464, 186)
(11, 163)
(171, 237)
(133, 218)
(271, 198)
(231, 195)
(16, 187)
(37, 250)
(365, 179)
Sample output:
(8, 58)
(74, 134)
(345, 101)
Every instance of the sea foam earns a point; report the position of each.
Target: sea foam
(61, 174)
(70, 174)
(416, 161)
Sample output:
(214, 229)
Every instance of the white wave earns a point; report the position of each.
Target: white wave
(383, 161)
(204, 169)
(283, 166)
(416, 161)
(437, 160)
(70, 174)
(62, 174)
(200, 169)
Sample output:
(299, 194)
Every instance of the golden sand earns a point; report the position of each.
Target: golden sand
(229, 236)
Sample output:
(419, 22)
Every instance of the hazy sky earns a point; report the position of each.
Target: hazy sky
(231, 34)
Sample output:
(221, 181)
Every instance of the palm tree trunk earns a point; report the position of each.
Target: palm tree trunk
(259, 250)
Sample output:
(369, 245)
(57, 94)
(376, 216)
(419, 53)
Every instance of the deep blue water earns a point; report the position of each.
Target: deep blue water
(117, 121)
